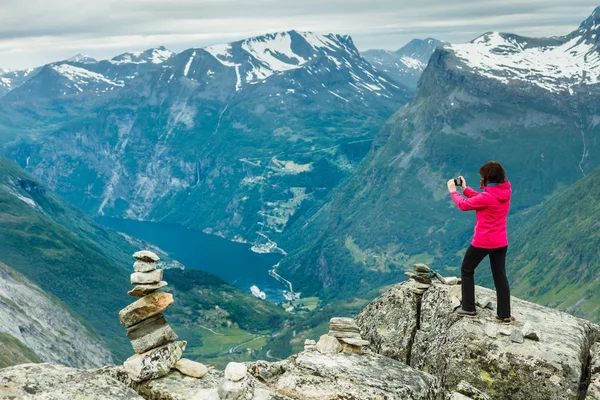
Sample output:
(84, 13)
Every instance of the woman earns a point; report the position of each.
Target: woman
(491, 207)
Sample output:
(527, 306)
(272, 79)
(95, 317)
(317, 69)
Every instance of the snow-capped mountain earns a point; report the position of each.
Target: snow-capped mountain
(82, 59)
(10, 80)
(406, 64)
(154, 56)
(558, 64)
(255, 60)
(235, 138)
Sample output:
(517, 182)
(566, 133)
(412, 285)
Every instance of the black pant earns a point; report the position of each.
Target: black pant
(473, 257)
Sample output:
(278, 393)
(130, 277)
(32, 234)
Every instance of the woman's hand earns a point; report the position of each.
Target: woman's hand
(451, 186)
(463, 182)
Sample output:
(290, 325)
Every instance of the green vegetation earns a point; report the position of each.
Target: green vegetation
(220, 322)
(13, 352)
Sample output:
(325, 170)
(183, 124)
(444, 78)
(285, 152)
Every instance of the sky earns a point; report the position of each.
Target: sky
(37, 32)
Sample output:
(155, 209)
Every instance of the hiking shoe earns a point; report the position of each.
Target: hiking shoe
(465, 313)
(505, 321)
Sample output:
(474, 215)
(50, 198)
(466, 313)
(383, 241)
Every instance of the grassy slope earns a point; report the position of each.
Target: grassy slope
(13, 352)
(65, 253)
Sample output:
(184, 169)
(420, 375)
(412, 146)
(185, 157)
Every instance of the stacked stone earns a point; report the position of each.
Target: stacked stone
(151, 336)
(422, 277)
(343, 337)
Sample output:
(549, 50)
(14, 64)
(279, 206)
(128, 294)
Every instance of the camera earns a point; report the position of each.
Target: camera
(458, 181)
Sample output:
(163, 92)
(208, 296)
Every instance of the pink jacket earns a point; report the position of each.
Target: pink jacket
(491, 208)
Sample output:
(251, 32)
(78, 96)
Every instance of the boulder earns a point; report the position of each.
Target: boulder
(235, 372)
(146, 255)
(151, 333)
(154, 363)
(144, 266)
(593, 392)
(57, 382)
(144, 308)
(191, 368)
(431, 337)
(328, 345)
(312, 375)
(147, 278)
(143, 290)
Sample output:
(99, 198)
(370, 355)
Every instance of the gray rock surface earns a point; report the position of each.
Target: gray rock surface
(594, 386)
(57, 382)
(312, 375)
(146, 255)
(150, 333)
(155, 363)
(422, 268)
(431, 337)
(144, 308)
(39, 322)
(390, 321)
(143, 290)
(339, 334)
(147, 278)
(173, 386)
(144, 266)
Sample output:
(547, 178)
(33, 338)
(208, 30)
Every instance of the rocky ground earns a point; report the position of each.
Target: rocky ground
(419, 349)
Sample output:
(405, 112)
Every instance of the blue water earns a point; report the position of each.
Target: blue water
(233, 262)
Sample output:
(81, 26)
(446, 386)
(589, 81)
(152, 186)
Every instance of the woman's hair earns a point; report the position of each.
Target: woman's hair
(492, 172)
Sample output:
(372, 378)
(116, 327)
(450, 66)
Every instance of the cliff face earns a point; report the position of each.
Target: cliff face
(41, 324)
(419, 349)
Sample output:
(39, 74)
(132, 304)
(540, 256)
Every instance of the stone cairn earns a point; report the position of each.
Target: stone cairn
(423, 276)
(153, 340)
(343, 337)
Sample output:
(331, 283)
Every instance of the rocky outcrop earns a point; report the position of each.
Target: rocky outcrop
(56, 382)
(544, 354)
(312, 375)
(38, 321)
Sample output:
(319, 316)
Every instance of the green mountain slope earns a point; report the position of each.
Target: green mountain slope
(395, 209)
(13, 352)
(87, 267)
(64, 252)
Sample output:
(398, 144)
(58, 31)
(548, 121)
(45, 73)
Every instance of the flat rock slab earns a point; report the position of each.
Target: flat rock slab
(466, 349)
(155, 363)
(57, 382)
(144, 266)
(343, 325)
(311, 375)
(147, 278)
(143, 290)
(355, 342)
(144, 308)
(146, 255)
(340, 334)
(151, 333)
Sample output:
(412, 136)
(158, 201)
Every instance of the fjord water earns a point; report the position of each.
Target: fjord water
(233, 262)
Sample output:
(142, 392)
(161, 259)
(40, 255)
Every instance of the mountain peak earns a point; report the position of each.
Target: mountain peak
(156, 55)
(593, 21)
(82, 59)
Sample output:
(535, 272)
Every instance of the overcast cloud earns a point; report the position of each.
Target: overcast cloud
(37, 32)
